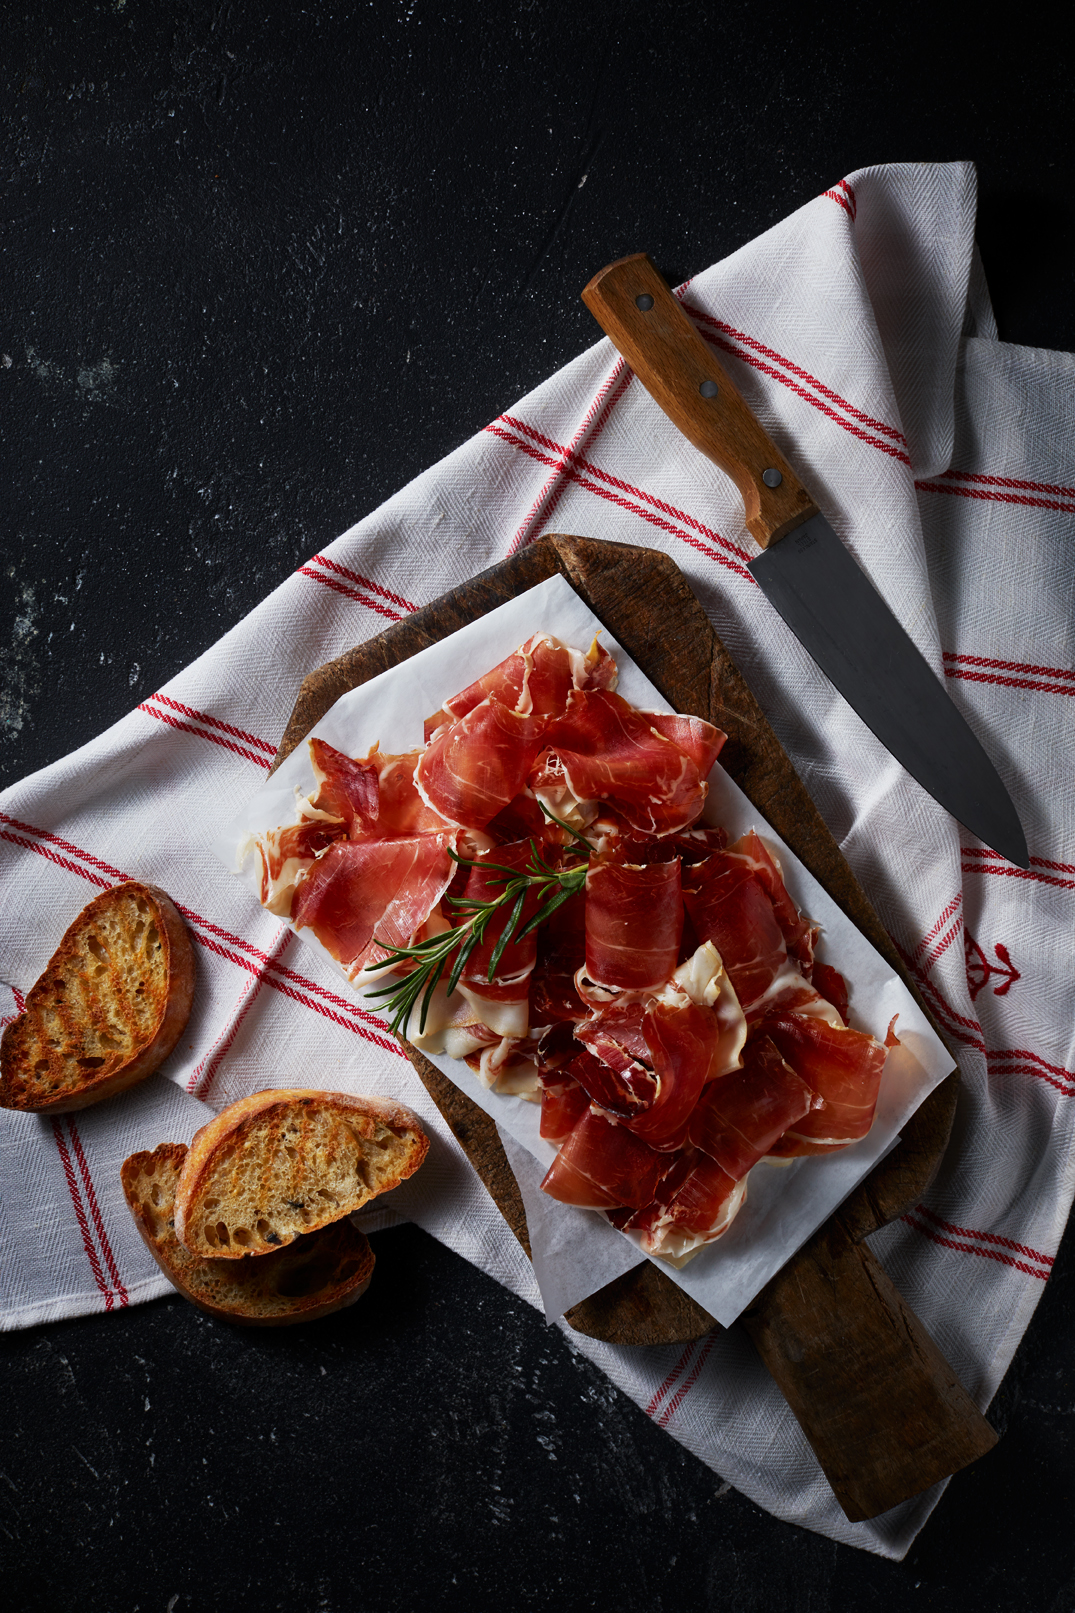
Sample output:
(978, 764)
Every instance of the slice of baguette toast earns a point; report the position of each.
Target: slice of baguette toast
(317, 1274)
(278, 1164)
(108, 1009)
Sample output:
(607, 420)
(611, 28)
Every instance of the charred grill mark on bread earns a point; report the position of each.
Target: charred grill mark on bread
(317, 1274)
(108, 1009)
(281, 1163)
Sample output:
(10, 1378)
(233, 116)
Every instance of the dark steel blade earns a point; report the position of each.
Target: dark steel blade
(831, 606)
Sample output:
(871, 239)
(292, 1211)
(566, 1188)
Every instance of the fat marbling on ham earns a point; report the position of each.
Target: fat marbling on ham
(670, 1016)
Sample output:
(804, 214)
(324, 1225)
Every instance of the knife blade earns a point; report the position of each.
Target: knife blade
(804, 570)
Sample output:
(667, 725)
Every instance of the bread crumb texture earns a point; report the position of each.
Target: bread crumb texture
(296, 1165)
(100, 1003)
(319, 1273)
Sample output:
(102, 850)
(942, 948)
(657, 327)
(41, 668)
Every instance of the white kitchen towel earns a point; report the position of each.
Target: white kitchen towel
(860, 331)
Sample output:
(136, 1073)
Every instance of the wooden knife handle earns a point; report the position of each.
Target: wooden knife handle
(634, 307)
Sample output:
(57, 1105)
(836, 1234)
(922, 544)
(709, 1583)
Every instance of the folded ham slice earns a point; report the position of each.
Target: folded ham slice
(563, 1104)
(366, 889)
(843, 1066)
(473, 767)
(682, 1043)
(695, 1202)
(605, 750)
(799, 934)
(536, 679)
(600, 1158)
(374, 795)
(285, 854)
(739, 1118)
(729, 906)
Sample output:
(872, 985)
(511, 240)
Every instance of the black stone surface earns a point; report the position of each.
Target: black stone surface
(258, 267)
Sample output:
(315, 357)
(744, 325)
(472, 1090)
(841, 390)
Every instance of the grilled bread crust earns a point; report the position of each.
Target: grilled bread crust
(317, 1274)
(108, 1009)
(281, 1163)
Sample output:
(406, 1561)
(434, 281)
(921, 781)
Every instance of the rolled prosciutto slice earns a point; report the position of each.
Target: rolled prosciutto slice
(634, 923)
(729, 906)
(364, 889)
(605, 750)
(843, 1066)
(603, 1159)
(739, 1118)
(473, 767)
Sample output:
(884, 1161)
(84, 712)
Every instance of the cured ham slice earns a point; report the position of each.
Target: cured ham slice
(832, 986)
(799, 934)
(346, 787)
(691, 847)
(695, 1203)
(843, 1066)
(536, 680)
(701, 977)
(738, 1119)
(473, 767)
(730, 907)
(374, 795)
(607, 1158)
(623, 1089)
(562, 1181)
(563, 1104)
(364, 889)
(400, 808)
(682, 1042)
(605, 750)
(619, 1026)
(285, 854)
(561, 954)
(634, 922)
(521, 819)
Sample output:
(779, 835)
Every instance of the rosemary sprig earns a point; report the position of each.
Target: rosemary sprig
(431, 956)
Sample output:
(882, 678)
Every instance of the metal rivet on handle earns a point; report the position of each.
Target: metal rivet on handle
(645, 302)
(709, 389)
(771, 478)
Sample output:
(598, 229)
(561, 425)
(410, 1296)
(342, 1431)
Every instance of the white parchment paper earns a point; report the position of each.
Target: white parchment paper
(576, 1251)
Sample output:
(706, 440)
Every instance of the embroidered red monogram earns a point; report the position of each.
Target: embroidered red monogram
(979, 968)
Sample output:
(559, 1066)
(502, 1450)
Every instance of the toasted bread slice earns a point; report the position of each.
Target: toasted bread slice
(278, 1164)
(317, 1274)
(108, 1009)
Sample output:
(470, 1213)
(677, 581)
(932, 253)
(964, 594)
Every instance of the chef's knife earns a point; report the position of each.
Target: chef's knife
(805, 571)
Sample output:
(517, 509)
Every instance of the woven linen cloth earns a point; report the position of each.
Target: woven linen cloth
(860, 331)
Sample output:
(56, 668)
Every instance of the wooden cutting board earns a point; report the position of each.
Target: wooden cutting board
(884, 1412)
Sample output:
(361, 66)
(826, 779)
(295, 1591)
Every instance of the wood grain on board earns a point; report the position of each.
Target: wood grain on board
(881, 1408)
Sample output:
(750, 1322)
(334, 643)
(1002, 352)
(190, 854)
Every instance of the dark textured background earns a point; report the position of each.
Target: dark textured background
(258, 267)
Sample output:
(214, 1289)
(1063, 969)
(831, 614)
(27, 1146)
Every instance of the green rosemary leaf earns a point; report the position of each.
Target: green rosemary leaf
(498, 950)
(434, 976)
(546, 912)
(461, 961)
